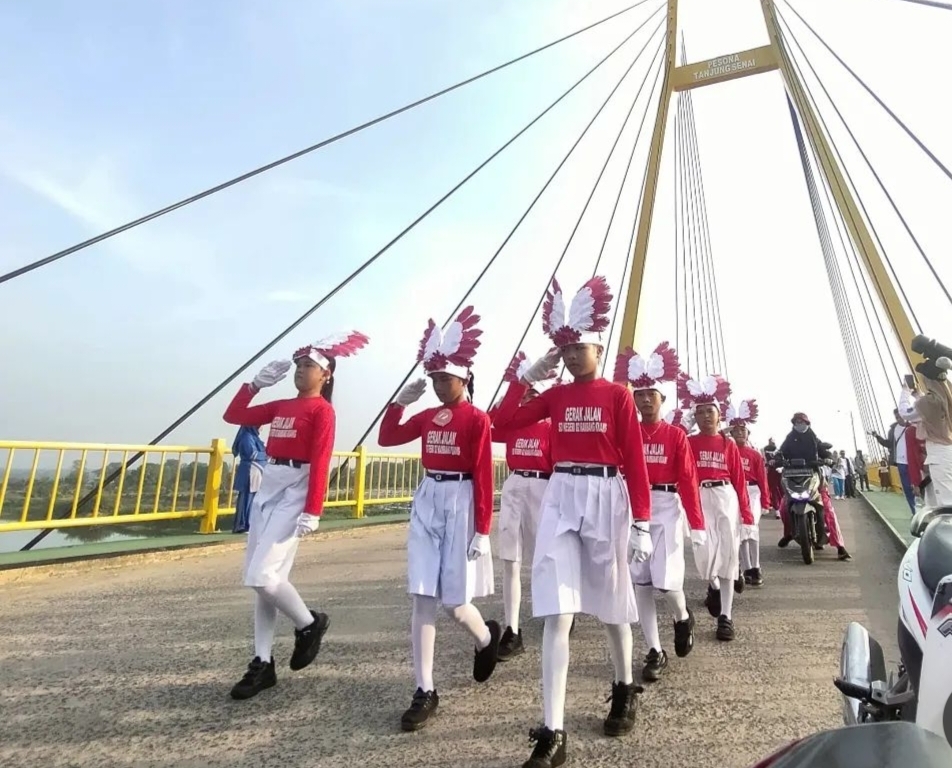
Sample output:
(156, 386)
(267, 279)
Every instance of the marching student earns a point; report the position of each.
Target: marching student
(520, 506)
(755, 470)
(674, 501)
(448, 553)
(290, 500)
(724, 499)
(594, 518)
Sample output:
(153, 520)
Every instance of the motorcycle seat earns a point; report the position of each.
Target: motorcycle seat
(935, 553)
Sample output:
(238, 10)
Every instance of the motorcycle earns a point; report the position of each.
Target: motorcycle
(920, 691)
(801, 484)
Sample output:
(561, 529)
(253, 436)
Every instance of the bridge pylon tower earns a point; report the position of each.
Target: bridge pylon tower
(755, 61)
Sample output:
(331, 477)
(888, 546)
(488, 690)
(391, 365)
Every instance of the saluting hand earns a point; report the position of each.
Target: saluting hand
(272, 373)
(411, 392)
(543, 368)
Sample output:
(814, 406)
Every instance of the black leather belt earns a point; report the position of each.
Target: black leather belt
(752, 482)
(715, 483)
(532, 473)
(589, 471)
(445, 477)
(665, 488)
(288, 462)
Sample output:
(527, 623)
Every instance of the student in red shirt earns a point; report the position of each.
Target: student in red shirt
(758, 489)
(520, 507)
(724, 499)
(594, 518)
(289, 502)
(674, 502)
(448, 552)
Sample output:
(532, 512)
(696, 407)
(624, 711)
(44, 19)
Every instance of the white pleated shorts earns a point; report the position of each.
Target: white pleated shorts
(520, 510)
(272, 521)
(719, 557)
(665, 568)
(756, 509)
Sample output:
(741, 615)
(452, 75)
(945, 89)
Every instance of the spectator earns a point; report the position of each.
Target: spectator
(897, 443)
(250, 453)
(885, 476)
(838, 476)
(849, 481)
(932, 412)
(862, 471)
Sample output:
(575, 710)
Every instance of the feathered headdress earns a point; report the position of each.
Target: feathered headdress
(744, 413)
(681, 419)
(587, 316)
(520, 365)
(343, 344)
(451, 352)
(647, 372)
(711, 390)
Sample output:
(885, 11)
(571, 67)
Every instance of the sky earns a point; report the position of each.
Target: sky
(110, 110)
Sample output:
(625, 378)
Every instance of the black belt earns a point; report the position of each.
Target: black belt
(752, 482)
(532, 473)
(288, 462)
(443, 477)
(714, 483)
(590, 471)
(665, 488)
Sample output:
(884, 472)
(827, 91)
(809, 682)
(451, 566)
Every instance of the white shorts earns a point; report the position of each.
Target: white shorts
(272, 522)
(520, 509)
(441, 528)
(720, 556)
(756, 509)
(581, 557)
(665, 568)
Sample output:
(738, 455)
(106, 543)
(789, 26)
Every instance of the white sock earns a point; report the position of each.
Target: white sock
(715, 583)
(648, 615)
(679, 605)
(423, 639)
(511, 593)
(745, 556)
(266, 617)
(286, 599)
(753, 546)
(619, 643)
(555, 669)
(727, 597)
(469, 617)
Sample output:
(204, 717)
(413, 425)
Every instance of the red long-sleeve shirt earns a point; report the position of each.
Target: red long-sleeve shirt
(302, 428)
(671, 462)
(717, 458)
(527, 449)
(755, 470)
(593, 422)
(460, 445)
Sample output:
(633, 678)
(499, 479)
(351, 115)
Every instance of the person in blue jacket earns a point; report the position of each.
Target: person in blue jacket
(249, 450)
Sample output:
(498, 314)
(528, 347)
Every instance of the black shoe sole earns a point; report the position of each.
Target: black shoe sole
(683, 649)
(654, 675)
(509, 655)
(245, 694)
(323, 622)
(485, 662)
(739, 585)
(414, 727)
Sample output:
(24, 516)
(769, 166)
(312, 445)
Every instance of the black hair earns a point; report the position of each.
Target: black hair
(327, 391)
(469, 387)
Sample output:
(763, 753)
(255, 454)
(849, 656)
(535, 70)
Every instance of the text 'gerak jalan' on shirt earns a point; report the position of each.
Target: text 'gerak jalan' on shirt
(302, 429)
(717, 458)
(755, 470)
(593, 422)
(461, 444)
(528, 449)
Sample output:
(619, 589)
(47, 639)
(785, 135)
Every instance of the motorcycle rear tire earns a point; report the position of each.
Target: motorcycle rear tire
(806, 539)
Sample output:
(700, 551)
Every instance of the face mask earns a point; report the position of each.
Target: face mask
(801, 428)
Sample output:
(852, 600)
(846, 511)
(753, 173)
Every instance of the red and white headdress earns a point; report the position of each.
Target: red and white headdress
(517, 369)
(744, 413)
(647, 372)
(684, 419)
(711, 390)
(343, 344)
(586, 318)
(451, 352)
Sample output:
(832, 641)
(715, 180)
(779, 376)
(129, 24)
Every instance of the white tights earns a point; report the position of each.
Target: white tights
(268, 601)
(555, 663)
(749, 554)
(511, 593)
(648, 611)
(423, 634)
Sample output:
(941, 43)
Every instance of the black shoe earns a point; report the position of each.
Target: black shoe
(747, 576)
(842, 554)
(756, 577)
(259, 677)
(421, 710)
(739, 585)
(307, 641)
(485, 662)
(655, 663)
(725, 629)
(511, 645)
(549, 748)
(621, 716)
(713, 601)
(784, 541)
(684, 635)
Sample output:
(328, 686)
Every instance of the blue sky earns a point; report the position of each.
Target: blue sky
(109, 110)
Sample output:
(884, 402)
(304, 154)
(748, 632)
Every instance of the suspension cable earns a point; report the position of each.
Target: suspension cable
(871, 92)
(931, 4)
(571, 237)
(872, 169)
(238, 371)
(295, 155)
(677, 259)
(687, 244)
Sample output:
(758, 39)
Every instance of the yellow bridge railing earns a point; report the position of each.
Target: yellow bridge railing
(64, 485)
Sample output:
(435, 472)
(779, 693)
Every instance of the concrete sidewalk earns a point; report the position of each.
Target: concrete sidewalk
(894, 512)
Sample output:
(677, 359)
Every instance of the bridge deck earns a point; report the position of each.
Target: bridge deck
(129, 661)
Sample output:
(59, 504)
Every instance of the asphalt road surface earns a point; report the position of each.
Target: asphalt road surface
(128, 662)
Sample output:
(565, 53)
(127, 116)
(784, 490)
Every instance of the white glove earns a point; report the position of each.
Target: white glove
(411, 392)
(272, 373)
(543, 368)
(478, 547)
(639, 543)
(698, 538)
(747, 532)
(306, 524)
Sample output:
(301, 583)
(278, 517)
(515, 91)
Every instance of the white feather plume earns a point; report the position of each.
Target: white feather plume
(523, 368)
(637, 367)
(582, 310)
(557, 315)
(654, 368)
(329, 341)
(452, 339)
(433, 343)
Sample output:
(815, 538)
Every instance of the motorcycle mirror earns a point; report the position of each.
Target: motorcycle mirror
(924, 516)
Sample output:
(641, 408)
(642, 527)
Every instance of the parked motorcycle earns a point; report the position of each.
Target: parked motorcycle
(801, 484)
(920, 691)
